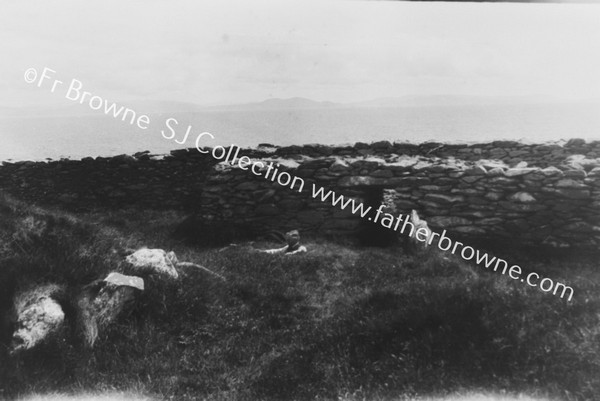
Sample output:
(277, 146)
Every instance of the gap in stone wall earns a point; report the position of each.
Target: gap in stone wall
(371, 233)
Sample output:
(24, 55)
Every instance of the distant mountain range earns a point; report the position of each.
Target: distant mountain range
(299, 103)
(295, 103)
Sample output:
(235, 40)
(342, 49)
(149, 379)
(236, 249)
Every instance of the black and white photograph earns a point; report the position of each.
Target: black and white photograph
(281, 200)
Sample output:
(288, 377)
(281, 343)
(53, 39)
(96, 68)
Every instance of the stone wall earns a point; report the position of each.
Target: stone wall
(534, 194)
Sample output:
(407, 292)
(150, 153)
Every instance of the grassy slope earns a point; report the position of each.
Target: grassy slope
(335, 322)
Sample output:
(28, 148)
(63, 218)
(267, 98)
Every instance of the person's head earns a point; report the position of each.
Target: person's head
(292, 237)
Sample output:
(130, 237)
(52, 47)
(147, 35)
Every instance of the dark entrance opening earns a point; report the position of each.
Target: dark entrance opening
(371, 233)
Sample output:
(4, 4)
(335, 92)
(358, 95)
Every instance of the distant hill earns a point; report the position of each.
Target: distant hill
(452, 100)
(274, 104)
(294, 103)
(300, 103)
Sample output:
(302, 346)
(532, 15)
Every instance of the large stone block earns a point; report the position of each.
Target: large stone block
(444, 199)
(570, 183)
(381, 173)
(515, 172)
(38, 316)
(522, 197)
(448, 221)
(475, 170)
(153, 261)
(355, 181)
(521, 207)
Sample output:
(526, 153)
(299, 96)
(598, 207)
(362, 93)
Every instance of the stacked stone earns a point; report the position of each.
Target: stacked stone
(144, 180)
(548, 193)
(510, 152)
(557, 205)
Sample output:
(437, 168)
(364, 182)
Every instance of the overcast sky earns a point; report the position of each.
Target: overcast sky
(242, 51)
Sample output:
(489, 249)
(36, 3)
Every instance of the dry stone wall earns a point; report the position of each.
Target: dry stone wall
(533, 194)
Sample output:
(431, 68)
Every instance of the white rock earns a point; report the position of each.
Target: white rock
(154, 261)
(523, 197)
(121, 279)
(513, 172)
(38, 316)
(100, 303)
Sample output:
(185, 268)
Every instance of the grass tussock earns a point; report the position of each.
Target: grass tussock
(338, 322)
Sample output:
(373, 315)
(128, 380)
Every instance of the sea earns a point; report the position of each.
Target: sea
(63, 136)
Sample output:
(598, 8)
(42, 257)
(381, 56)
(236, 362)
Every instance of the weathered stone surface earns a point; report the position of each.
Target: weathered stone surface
(444, 199)
(153, 261)
(443, 221)
(444, 181)
(491, 221)
(498, 153)
(579, 226)
(119, 279)
(38, 316)
(381, 145)
(574, 193)
(339, 166)
(472, 230)
(514, 172)
(570, 183)
(494, 196)
(422, 165)
(435, 188)
(354, 181)
(407, 181)
(575, 142)
(576, 174)
(471, 178)
(552, 171)
(522, 207)
(101, 302)
(476, 170)
(595, 172)
(522, 197)
(521, 165)
(496, 171)
(437, 168)
(382, 173)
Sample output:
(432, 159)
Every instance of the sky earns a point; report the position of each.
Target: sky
(230, 52)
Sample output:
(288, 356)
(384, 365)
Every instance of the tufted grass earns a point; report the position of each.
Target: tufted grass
(338, 322)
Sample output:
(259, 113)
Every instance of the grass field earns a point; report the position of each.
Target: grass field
(339, 322)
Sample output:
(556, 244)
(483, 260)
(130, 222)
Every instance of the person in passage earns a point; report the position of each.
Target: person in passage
(293, 245)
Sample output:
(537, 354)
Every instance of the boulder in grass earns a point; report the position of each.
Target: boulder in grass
(153, 261)
(38, 316)
(101, 302)
(119, 279)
